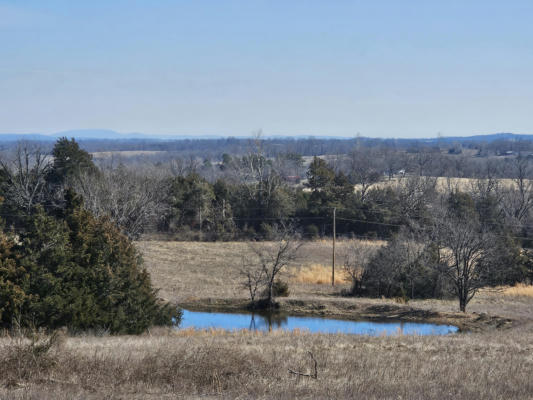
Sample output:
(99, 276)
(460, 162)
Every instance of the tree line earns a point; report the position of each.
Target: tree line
(242, 197)
(473, 232)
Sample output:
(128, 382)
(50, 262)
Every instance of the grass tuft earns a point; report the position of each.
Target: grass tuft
(520, 290)
(319, 274)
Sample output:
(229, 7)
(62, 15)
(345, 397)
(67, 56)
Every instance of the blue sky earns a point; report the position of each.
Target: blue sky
(302, 67)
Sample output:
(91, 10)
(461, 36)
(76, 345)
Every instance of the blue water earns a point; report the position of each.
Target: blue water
(237, 321)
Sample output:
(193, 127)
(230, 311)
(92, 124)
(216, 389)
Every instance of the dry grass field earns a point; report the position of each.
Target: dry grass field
(188, 270)
(125, 153)
(444, 184)
(165, 363)
(216, 364)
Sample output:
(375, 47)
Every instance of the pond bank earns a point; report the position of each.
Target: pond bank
(340, 309)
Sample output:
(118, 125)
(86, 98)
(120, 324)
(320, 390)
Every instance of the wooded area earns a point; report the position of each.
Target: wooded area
(444, 234)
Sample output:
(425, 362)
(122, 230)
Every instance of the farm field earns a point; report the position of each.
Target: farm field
(187, 270)
(125, 153)
(444, 184)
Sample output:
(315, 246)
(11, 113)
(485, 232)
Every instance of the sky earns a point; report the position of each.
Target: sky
(289, 67)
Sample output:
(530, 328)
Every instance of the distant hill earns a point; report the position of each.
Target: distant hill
(98, 134)
(13, 137)
(486, 138)
(106, 134)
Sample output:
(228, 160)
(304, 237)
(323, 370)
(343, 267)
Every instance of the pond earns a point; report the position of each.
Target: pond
(266, 322)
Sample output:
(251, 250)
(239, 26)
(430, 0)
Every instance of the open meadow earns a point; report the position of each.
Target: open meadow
(187, 270)
(492, 363)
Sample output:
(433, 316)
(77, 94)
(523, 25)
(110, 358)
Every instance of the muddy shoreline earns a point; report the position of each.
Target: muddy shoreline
(466, 322)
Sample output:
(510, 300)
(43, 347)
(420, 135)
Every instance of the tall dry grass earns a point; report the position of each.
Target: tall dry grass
(519, 290)
(319, 274)
(209, 364)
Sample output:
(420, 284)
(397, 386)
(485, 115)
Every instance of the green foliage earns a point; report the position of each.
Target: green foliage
(14, 279)
(311, 231)
(401, 269)
(226, 161)
(197, 204)
(191, 200)
(507, 262)
(69, 161)
(77, 271)
(280, 288)
(461, 205)
(319, 175)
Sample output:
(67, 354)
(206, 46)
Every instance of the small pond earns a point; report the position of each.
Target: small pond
(265, 322)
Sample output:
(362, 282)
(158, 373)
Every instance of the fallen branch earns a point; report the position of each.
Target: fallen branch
(313, 375)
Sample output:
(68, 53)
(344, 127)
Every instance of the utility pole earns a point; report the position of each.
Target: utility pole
(200, 218)
(333, 263)
(200, 206)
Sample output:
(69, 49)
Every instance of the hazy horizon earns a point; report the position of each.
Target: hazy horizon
(301, 68)
(100, 133)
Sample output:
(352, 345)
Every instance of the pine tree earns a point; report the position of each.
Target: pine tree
(69, 161)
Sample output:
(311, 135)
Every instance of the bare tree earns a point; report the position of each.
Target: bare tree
(132, 200)
(270, 260)
(422, 161)
(415, 192)
(254, 278)
(487, 185)
(26, 172)
(463, 248)
(414, 257)
(362, 172)
(392, 161)
(177, 167)
(261, 182)
(356, 261)
(518, 199)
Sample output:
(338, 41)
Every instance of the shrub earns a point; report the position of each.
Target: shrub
(312, 231)
(280, 288)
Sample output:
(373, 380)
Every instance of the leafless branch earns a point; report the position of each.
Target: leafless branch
(313, 375)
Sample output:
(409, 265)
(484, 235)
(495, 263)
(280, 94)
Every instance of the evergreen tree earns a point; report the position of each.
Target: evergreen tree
(319, 175)
(69, 161)
(76, 271)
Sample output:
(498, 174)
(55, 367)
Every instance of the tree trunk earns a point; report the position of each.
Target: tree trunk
(270, 294)
(462, 301)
